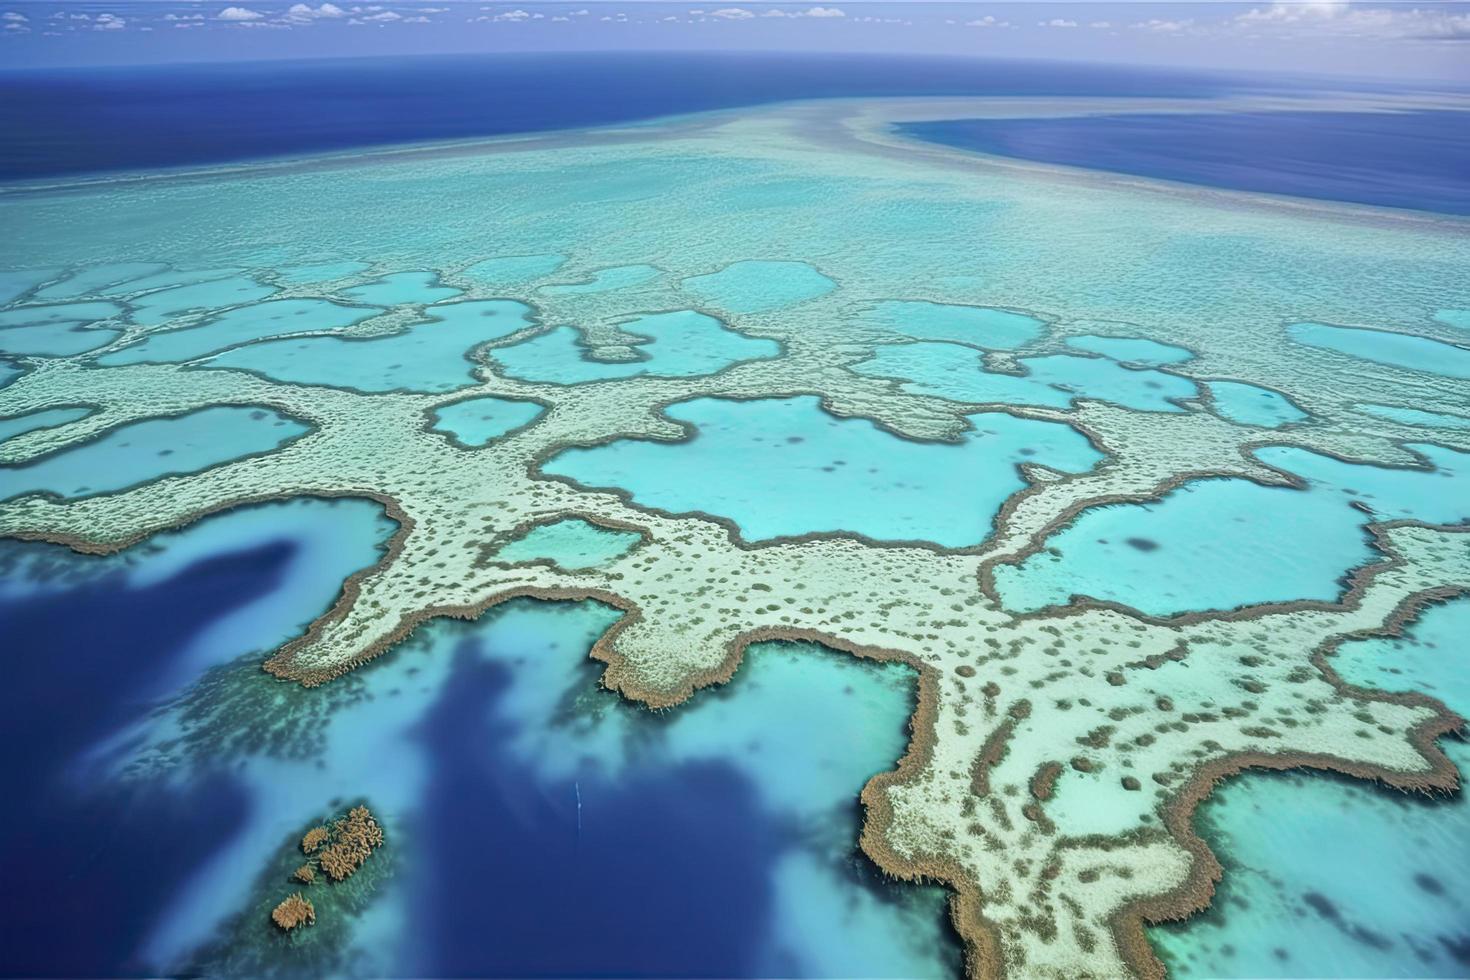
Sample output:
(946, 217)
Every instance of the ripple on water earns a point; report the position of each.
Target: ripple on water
(759, 286)
(986, 327)
(514, 270)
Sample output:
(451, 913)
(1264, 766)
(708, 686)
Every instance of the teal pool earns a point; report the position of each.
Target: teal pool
(781, 467)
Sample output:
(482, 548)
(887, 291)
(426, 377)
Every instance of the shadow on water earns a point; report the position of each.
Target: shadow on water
(663, 873)
(87, 868)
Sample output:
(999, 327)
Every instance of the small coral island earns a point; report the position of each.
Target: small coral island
(337, 851)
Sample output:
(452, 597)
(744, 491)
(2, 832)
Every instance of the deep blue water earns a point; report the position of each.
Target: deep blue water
(55, 122)
(88, 865)
(1418, 160)
(671, 879)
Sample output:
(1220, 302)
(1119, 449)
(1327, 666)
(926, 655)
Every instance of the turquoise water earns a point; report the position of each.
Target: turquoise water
(298, 275)
(95, 277)
(480, 421)
(44, 419)
(17, 282)
(170, 277)
(54, 339)
(430, 357)
(1415, 416)
(158, 307)
(239, 326)
(1432, 657)
(756, 286)
(1135, 350)
(1385, 347)
(957, 373)
(74, 313)
(978, 326)
(779, 467)
(139, 452)
(514, 270)
(1329, 877)
(1249, 536)
(617, 277)
(1455, 318)
(1250, 404)
(403, 287)
(680, 344)
(571, 544)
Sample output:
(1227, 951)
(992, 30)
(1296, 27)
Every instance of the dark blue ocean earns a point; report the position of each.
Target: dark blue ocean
(69, 121)
(1417, 160)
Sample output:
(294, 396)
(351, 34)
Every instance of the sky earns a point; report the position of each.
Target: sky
(1423, 40)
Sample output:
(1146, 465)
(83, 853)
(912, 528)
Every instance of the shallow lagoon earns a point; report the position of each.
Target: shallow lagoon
(1250, 404)
(431, 357)
(138, 452)
(1386, 347)
(239, 326)
(1150, 555)
(478, 422)
(781, 467)
(680, 344)
(572, 544)
(1055, 381)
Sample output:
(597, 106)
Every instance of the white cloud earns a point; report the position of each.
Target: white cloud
(731, 13)
(513, 15)
(809, 12)
(239, 14)
(987, 21)
(15, 17)
(1100, 25)
(302, 12)
(1164, 26)
(109, 22)
(182, 17)
(1056, 22)
(1338, 18)
(386, 15)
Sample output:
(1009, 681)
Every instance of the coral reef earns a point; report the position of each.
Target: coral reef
(295, 910)
(1057, 755)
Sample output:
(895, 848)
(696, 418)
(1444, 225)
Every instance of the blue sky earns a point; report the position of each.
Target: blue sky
(1413, 40)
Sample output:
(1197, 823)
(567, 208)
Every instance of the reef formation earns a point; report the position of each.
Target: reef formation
(338, 850)
(1058, 752)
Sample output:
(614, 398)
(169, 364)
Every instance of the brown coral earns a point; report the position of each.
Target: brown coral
(306, 874)
(355, 837)
(294, 911)
(315, 837)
